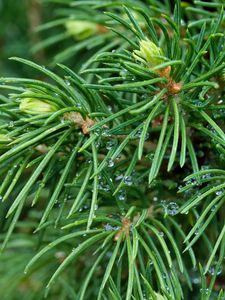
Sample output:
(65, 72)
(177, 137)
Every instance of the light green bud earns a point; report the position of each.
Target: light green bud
(149, 53)
(81, 30)
(159, 297)
(4, 139)
(35, 106)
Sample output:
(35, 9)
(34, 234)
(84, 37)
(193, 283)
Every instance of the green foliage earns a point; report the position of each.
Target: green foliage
(111, 164)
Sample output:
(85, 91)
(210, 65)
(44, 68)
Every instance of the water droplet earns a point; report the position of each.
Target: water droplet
(109, 145)
(108, 254)
(206, 176)
(144, 96)
(11, 124)
(180, 187)
(151, 156)
(106, 133)
(167, 288)
(182, 22)
(127, 180)
(109, 227)
(100, 186)
(172, 208)
(119, 177)
(110, 108)
(195, 280)
(138, 133)
(97, 131)
(219, 192)
(146, 136)
(215, 269)
(199, 103)
(110, 163)
(67, 82)
(60, 254)
(197, 231)
(106, 188)
(122, 195)
(214, 207)
(191, 181)
(213, 131)
(118, 157)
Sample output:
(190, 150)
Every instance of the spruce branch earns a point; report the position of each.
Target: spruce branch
(115, 160)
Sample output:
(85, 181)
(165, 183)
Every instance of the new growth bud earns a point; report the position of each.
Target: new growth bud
(159, 297)
(81, 30)
(149, 53)
(4, 139)
(35, 106)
